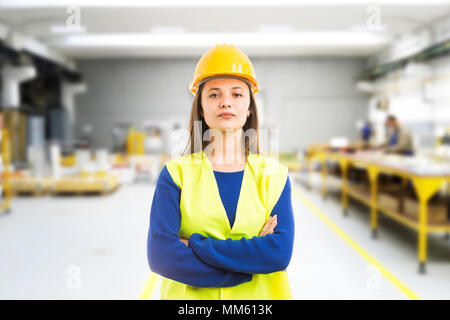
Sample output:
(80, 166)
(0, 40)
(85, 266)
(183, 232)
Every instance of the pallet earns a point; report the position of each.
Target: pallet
(30, 186)
(28, 193)
(85, 193)
(83, 186)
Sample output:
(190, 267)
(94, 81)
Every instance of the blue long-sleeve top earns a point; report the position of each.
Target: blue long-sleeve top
(211, 262)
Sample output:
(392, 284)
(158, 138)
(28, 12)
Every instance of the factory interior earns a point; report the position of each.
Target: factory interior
(354, 101)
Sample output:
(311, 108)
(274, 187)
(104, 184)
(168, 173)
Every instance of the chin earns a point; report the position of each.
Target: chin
(230, 126)
(223, 125)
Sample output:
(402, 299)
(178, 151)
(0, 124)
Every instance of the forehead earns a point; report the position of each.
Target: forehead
(225, 83)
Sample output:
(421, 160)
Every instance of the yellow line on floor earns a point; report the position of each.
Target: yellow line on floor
(150, 286)
(355, 246)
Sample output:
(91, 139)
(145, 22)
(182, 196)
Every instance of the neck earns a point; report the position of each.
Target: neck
(227, 148)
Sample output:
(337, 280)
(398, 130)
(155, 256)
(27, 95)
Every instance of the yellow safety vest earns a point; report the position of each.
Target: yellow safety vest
(202, 212)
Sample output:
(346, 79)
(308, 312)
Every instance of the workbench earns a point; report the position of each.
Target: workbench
(426, 177)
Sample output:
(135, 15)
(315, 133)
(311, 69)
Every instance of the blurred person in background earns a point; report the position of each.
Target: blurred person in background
(367, 133)
(399, 139)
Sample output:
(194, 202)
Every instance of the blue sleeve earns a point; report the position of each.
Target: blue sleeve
(266, 254)
(167, 255)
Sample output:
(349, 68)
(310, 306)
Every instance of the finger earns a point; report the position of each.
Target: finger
(273, 225)
(184, 241)
(269, 224)
(274, 220)
(265, 228)
(271, 231)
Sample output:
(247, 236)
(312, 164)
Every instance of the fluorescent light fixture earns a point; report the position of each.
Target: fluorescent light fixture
(167, 29)
(270, 28)
(369, 28)
(64, 29)
(209, 3)
(256, 39)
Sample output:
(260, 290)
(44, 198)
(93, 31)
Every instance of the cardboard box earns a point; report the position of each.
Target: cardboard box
(437, 212)
(361, 189)
(398, 191)
(389, 201)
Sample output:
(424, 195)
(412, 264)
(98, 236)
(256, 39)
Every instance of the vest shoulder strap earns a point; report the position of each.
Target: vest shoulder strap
(175, 166)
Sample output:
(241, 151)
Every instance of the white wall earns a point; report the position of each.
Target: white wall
(309, 99)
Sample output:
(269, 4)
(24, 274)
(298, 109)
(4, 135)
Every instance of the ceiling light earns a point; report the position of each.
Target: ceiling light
(208, 3)
(369, 28)
(314, 39)
(167, 29)
(276, 28)
(65, 29)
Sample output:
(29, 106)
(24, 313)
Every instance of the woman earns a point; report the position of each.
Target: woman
(221, 221)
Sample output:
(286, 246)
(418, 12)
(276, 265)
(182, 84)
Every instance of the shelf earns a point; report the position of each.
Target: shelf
(363, 195)
(360, 193)
(413, 223)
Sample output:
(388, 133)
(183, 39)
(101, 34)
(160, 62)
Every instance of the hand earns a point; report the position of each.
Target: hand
(186, 242)
(269, 226)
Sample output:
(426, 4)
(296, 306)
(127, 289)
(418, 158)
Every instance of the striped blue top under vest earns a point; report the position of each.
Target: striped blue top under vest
(209, 262)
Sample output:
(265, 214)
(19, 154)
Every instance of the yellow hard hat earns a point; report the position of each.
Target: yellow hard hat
(227, 60)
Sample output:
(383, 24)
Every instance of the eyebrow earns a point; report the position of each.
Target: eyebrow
(220, 89)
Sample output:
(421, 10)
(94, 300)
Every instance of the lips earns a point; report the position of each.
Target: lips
(226, 115)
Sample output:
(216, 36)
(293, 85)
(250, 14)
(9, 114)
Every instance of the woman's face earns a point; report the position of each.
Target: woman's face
(225, 103)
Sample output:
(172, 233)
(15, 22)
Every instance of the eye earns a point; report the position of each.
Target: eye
(238, 94)
(213, 94)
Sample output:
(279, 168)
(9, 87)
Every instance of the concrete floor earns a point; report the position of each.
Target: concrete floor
(76, 247)
(95, 248)
(326, 261)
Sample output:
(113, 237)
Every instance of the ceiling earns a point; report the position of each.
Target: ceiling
(179, 29)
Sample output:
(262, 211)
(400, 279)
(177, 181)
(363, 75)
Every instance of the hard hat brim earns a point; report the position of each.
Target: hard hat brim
(193, 87)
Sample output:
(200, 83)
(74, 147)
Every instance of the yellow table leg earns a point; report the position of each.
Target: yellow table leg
(343, 163)
(309, 163)
(373, 172)
(323, 162)
(425, 188)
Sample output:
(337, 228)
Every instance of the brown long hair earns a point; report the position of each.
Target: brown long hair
(197, 115)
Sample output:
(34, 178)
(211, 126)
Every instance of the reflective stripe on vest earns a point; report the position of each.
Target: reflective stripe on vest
(202, 211)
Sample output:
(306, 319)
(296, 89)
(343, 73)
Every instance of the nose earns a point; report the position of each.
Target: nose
(225, 101)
